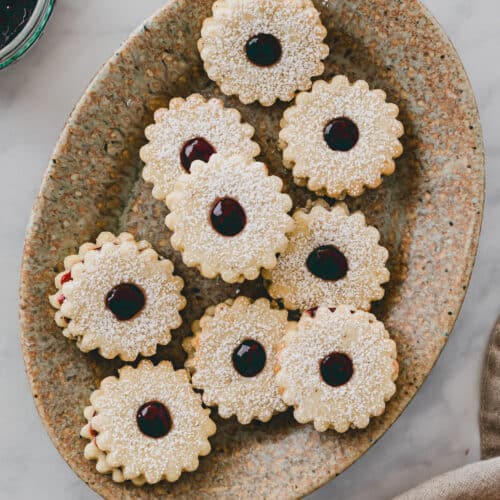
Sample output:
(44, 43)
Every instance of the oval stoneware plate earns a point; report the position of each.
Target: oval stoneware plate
(429, 214)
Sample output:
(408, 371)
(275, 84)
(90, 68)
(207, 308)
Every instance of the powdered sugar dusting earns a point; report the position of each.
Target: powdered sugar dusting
(238, 257)
(373, 354)
(300, 289)
(295, 23)
(338, 173)
(95, 273)
(129, 451)
(187, 119)
(219, 332)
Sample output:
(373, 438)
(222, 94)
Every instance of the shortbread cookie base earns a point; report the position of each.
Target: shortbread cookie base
(216, 335)
(238, 257)
(88, 277)
(340, 173)
(186, 119)
(355, 333)
(295, 23)
(117, 444)
(292, 281)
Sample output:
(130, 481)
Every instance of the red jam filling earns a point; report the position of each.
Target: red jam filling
(153, 419)
(341, 134)
(228, 217)
(196, 149)
(312, 312)
(336, 369)
(125, 301)
(328, 263)
(249, 358)
(66, 277)
(263, 49)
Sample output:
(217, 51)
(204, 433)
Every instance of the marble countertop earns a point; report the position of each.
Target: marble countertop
(438, 431)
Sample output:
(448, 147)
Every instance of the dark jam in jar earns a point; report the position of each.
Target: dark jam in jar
(14, 15)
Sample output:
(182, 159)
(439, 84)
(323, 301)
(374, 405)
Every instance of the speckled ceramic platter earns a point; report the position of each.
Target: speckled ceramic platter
(429, 214)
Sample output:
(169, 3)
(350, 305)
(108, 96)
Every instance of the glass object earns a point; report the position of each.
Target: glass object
(21, 24)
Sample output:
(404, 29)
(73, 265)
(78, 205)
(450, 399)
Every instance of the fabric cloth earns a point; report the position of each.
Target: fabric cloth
(477, 481)
(480, 480)
(490, 399)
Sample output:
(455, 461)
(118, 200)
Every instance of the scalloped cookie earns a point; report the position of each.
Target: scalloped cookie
(263, 50)
(191, 129)
(340, 137)
(229, 217)
(147, 424)
(233, 358)
(333, 258)
(118, 296)
(337, 369)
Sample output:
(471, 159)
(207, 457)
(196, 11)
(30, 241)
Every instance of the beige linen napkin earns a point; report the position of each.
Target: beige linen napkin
(477, 481)
(480, 480)
(489, 424)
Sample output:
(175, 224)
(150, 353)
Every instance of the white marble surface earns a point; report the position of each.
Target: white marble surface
(439, 430)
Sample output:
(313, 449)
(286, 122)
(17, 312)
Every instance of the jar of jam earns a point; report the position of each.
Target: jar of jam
(21, 25)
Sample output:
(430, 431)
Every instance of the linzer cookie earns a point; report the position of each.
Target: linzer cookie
(191, 129)
(229, 217)
(333, 258)
(340, 137)
(337, 369)
(92, 452)
(263, 49)
(233, 358)
(118, 296)
(147, 425)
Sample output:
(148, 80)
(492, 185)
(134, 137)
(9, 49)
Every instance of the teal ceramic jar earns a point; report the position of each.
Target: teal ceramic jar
(21, 24)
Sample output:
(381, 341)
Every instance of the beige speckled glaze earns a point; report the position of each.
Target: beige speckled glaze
(429, 214)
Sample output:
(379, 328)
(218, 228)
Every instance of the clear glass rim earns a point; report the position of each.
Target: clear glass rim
(28, 35)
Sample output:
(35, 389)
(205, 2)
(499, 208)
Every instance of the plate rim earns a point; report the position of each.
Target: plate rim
(39, 204)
